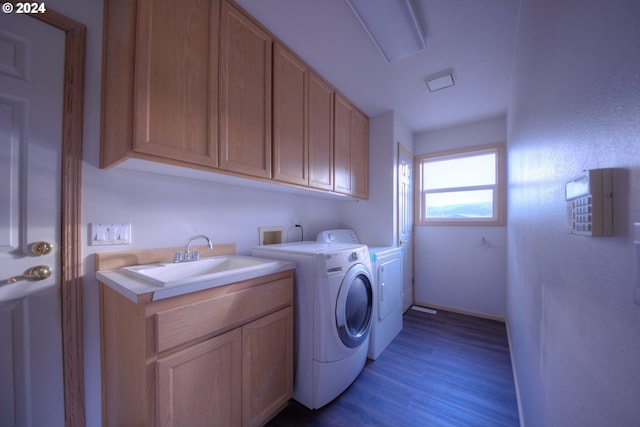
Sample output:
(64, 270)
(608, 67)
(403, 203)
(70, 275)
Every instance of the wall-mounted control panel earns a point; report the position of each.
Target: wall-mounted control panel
(590, 203)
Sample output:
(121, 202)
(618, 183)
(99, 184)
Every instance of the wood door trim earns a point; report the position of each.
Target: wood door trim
(71, 221)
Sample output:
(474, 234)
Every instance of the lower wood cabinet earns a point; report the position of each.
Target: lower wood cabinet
(263, 345)
(201, 385)
(174, 362)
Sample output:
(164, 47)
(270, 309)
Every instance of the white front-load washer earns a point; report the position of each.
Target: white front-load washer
(333, 312)
(386, 268)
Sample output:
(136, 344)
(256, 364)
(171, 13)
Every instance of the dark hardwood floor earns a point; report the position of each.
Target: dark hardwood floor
(442, 370)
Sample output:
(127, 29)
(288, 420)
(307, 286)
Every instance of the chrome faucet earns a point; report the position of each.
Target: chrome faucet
(188, 256)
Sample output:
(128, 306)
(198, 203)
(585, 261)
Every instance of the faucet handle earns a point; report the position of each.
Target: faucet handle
(195, 255)
(177, 257)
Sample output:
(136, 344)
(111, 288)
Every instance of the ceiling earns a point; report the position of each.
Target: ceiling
(475, 38)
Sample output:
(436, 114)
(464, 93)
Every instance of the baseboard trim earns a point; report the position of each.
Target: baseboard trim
(459, 311)
(515, 377)
(423, 309)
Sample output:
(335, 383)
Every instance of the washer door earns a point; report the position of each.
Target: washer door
(354, 306)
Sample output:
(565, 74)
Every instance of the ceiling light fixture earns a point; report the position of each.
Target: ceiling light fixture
(392, 25)
(441, 80)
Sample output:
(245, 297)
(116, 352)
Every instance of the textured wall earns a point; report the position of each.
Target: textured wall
(453, 267)
(574, 327)
(374, 220)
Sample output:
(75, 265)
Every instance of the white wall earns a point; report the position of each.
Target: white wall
(164, 211)
(372, 219)
(375, 219)
(574, 328)
(454, 267)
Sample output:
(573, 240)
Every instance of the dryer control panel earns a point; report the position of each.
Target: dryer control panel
(338, 236)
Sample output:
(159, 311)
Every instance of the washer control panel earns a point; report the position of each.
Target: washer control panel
(341, 261)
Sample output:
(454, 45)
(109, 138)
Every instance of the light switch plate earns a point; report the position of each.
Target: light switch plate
(110, 233)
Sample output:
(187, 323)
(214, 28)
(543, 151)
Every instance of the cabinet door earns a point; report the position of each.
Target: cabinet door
(351, 144)
(342, 145)
(267, 366)
(176, 80)
(360, 152)
(289, 117)
(201, 385)
(320, 133)
(245, 95)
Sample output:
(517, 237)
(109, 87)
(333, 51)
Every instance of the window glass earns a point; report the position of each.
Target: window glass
(464, 187)
(460, 172)
(459, 204)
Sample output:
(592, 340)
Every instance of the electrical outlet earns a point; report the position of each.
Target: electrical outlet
(110, 233)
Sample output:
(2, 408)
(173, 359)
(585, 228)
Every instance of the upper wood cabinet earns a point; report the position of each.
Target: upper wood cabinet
(245, 94)
(360, 150)
(351, 149)
(290, 117)
(302, 123)
(160, 81)
(320, 133)
(342, 144)
(205, 86)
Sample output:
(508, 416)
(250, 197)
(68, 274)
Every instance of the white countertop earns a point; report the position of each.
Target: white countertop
(131, 287)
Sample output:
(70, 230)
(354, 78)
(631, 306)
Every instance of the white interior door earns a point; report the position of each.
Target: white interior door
(405, 221)
(31, 75)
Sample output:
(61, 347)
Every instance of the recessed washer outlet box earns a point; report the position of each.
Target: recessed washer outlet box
(270, 235)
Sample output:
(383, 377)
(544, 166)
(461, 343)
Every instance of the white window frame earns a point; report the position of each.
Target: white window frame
(499, 193)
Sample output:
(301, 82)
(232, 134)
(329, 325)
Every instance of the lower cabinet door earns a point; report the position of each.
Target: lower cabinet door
(267, 366)
(201, 385)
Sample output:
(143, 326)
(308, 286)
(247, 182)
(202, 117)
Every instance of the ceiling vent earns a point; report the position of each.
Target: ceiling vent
(393, 26)
(441, 80)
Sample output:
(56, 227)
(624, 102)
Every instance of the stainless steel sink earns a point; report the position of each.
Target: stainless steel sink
(183, 273)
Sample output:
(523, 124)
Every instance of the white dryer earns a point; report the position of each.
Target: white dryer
(333, 312)
(386, 266)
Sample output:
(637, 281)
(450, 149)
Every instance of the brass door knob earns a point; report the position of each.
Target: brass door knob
(39, 272)
(41, 248)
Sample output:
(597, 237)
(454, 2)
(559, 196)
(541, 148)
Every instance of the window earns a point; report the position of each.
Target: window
(462, 187)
